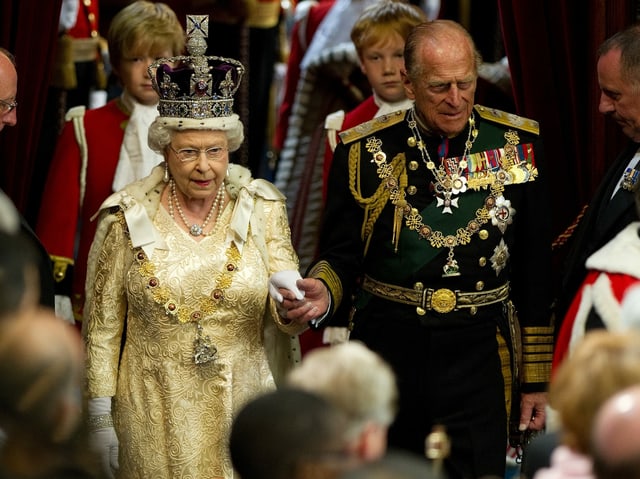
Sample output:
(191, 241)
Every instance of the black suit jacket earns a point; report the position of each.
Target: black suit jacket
(603, 220)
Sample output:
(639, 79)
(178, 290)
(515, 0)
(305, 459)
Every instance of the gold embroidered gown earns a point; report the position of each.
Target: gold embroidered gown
(172, 416)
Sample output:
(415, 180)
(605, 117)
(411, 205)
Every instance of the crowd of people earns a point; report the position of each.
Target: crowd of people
(444, 340)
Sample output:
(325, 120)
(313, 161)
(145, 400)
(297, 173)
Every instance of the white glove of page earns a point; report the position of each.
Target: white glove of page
(102, 435)
(284, 279)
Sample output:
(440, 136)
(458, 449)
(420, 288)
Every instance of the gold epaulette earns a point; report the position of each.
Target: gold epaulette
(371, 126)
(508, 119)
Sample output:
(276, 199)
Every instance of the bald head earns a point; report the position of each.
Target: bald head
(616, 434)
(436, 40)
(41, 367)
(8, 89)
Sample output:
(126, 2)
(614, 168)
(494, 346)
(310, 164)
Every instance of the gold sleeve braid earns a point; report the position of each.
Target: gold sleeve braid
(537, 354)
(323, 271)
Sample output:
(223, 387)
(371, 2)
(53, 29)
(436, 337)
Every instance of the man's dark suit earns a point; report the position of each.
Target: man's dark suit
(604, 218)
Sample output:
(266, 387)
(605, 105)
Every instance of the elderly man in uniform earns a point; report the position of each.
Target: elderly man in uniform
(440, 214)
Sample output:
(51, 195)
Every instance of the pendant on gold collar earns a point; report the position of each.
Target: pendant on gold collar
(203, 350)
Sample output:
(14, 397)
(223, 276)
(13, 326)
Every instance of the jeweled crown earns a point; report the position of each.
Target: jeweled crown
(198, 86)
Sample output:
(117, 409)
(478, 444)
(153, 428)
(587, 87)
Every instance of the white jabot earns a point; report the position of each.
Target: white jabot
(384, 108)
(136, 158)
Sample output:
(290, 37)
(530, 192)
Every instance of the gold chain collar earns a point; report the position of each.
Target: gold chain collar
(206, 305)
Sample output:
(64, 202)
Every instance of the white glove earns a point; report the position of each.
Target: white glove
(284, 279)
(102, 435)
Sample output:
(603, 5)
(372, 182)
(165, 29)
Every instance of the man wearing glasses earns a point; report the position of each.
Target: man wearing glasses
(8, 89)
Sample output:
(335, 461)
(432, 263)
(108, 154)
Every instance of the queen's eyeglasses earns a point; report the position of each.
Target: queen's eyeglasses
(186, 155)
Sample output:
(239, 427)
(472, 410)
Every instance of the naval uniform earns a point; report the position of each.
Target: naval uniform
(445, 318)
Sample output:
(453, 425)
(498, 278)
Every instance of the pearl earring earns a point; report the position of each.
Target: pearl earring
(165, 178)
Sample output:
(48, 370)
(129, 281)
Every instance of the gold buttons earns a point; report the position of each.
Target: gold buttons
(413, 165)
(482, 261)
(412, 190)
(479, 285)
(418, 286)
(411, 141)
(420, 311)
(473, 310)
(483, 234)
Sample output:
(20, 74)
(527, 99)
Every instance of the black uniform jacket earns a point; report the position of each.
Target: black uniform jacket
(501, 236)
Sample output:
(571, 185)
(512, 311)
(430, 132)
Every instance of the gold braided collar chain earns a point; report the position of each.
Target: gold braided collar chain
(206, 305)
(415, 221)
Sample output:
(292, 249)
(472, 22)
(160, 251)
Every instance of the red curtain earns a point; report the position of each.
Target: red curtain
(28, 28)
(551, 46)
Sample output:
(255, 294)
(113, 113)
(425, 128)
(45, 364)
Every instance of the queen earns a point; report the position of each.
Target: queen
(180, 329)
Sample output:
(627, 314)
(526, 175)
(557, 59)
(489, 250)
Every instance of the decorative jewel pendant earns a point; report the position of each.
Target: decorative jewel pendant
(447, 203)
(500, 257)
(195, 230)
(203, 350)
(502, 214)
(451, 268)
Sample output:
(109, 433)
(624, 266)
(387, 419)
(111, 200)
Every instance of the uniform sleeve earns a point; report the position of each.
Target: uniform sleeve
(531, 278)
(58, 218)
(106, 305)
(341, 246)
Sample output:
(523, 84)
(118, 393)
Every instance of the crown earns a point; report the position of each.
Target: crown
(199, 87)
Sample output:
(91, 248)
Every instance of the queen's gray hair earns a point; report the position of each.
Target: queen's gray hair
(160, 135)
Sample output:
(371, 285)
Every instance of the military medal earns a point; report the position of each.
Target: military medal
(450, 179)
(502, 214)
(629, 179)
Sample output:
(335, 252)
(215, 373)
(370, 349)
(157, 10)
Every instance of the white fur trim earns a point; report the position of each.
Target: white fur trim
(224, 123)
(621, 254)
(630, 309)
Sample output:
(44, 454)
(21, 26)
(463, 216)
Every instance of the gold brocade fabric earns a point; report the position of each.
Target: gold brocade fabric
(172, 417)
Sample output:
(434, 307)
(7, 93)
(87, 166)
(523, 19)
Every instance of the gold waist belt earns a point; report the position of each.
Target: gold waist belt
(441, 300)
(84, 49)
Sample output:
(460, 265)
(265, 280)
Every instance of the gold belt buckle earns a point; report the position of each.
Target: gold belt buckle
(443, 300)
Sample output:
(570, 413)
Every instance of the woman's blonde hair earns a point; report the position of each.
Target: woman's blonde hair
(602, 363)
(144, 26)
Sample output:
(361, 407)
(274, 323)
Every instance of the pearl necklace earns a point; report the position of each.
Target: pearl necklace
(195, 229)
(450, 180)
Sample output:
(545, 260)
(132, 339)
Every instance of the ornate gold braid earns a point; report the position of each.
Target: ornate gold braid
(374, 204)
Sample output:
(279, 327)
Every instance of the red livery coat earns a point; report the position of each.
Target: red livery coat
(62, 219)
